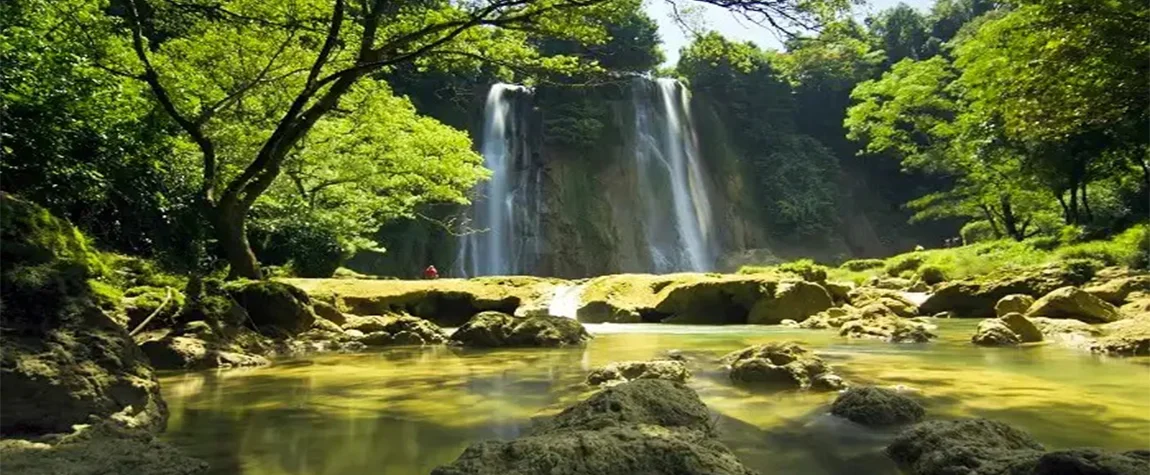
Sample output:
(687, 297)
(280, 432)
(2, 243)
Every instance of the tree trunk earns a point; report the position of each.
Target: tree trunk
(1086, 204)
(230, 218)
(1009, 222)
(990, 219)
(1072, 213)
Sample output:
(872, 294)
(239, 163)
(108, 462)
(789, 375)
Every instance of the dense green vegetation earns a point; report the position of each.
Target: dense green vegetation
(208, 133)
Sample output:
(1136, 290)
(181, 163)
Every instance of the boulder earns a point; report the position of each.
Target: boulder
(184, 352)
(624, 371)
(275, 308)
(791, 301)
(644, 426)
(386, 330)
(1070, 332)
(994, 332)
(833, 317)
(495, 329)
(1117, 290)
(784, 365)
(329, 312)
(63, 360)
(713, 300)
(984, 447)
(887, 327)
(1071, 302)
(1026, 330)
(888, 283)
(839, 291)
(606, 312)
(894, 300)
(874, 406)
(973, 446)
(1014, 303)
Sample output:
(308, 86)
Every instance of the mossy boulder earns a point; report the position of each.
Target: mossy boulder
(894, 300)
(1072, 302)
(715, 300)
(985, 447)
(874, 323)
(976, 297)
(191, 353)
(780, 365)
(993, 332)
(1015, 303)
(328, 312)
(877, 407)
(791, 301)
(624, 371)
(383, 330)
(495, 329)
(644, 426)
(141, 302)
(63, 360)
(275, 308)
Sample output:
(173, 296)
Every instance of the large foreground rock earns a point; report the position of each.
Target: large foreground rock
(647, 426)
(624, 371)
(101, 449)
(784, 365)
(495, 329)
(877, 407)
(1071, 302)
(63, 360)
(985, 447)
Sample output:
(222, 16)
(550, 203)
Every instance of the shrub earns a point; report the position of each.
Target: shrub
(899, 265)
(1042, 243)
(1130, 248)
(805, 268)
(977, 231)
(1080, 271)
(931, 274)
(859, 265)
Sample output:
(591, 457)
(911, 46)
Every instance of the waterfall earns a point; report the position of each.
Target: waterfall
(565, 300)
(667, 157)
(493, 248)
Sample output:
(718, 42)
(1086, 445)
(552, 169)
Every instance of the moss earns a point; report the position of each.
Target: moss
(805, 268)
(109, 298)
(931, 274)
(32, 236)
(896, 266)
(129, 271)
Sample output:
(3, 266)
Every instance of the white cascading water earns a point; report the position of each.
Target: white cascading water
(489, 250)
(565, 300)
(667, 156)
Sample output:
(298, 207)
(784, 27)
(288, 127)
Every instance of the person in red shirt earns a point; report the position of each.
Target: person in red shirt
(430, 272)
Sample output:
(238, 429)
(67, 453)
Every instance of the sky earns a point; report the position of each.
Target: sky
(735, 27)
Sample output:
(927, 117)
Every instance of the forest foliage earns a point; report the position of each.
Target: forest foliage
(219, 131)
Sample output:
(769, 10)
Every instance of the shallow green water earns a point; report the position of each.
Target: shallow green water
(405, 411)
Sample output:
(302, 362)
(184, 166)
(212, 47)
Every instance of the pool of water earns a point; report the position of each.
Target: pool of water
(405, 411)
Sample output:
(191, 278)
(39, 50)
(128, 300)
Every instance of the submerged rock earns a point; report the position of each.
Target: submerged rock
(624, 371)
(783, 365)
(873, 406)
(1014, 303)
(985, 447)
(1071, 302)
(495, 329)
(791, 301)
(645, 426)
(887, 327)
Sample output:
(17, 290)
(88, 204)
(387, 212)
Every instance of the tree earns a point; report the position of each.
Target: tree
(901, 32)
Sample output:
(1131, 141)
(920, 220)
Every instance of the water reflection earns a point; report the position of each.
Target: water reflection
(408, 410)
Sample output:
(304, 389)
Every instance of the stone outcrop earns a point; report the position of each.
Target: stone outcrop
(189, 352)
(796, 301)
(893, 300)
(1116, 291)
(382, 330)
(718, 300)
(976, 298)
(783, 365)
(495, 329)
(73, 380)
(644, 426)
(984, 447)
(877, 407)
(624, 371)
(1014, 303)
(1071, 302)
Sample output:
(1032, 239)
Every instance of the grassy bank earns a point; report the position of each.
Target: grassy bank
(1129, 248)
